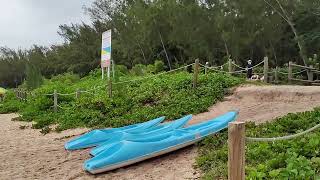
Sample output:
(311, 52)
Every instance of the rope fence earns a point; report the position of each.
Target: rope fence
(311, 71)
(244, 68)
(289, 137)
(269, 76)
(286, 73)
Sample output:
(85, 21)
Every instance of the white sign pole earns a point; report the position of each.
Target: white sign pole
(113, 66)
(102, 70)
(108, 72)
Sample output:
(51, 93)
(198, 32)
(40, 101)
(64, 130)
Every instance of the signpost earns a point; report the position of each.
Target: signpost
(106, 53)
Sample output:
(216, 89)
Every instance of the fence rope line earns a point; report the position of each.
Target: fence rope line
(285, 73)
(96, 88)
(155, 75)
(220, 67)
(214, 68)
(63, 108)
(235, 72)
(60, 94)
(316, 71)
(247, 68)
(86, 92)
(289, 137)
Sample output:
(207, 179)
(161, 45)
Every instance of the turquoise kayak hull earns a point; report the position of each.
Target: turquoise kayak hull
(126, 152)
(93, 138)
(121, 136)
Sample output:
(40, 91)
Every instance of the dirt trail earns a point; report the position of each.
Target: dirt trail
(26, 154)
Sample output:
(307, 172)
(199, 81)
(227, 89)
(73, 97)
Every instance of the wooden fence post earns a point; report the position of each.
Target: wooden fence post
(290, 72)
(310, 74)
(266, 69)
(276, 77)
(236, 152)
(206, 68)
(196, 73)
(78, 94)
(230, 66)
(110, 88)
(25, 95)
(55, 101)
(19, 94)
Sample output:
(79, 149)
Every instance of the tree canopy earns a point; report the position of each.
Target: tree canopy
(176, 32)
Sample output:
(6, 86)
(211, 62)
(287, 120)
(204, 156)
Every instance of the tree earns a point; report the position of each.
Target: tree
(33, 77)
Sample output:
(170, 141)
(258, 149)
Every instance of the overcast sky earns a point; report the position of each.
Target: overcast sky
(27, 22)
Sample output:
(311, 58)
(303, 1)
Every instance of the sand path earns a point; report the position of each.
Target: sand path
(26, 154)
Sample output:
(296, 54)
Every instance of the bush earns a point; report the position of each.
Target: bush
(10, 104)
(151, 69)
(34, 78)
(158, 66)
(139, 70)
(67, 78)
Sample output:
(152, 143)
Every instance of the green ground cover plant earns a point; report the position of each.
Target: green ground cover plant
(170, 95)
(291, 159)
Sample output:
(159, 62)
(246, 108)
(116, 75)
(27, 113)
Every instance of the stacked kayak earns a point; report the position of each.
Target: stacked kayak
(93, 138)
(129, 148)
(121, 136)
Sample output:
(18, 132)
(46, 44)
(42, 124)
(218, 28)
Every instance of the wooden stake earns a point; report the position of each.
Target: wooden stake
(236, 156)
(55, 101)
(230, 66)
(196, 73)
(310, 73)
(19, 94)
(110, 88)
(290, 72)
(206, 68)
(276, 78)
(78, 94)
(266, 69)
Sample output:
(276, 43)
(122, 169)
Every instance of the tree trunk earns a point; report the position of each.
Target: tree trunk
(226, 47)
(274, 52)
(294, 30)
(165, 51)
(142, 52)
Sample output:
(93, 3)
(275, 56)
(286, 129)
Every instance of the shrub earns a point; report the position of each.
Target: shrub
(34, 78)
(158, 66)
(10, 104)
(138, 70)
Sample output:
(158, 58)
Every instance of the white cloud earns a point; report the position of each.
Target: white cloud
(27, 22)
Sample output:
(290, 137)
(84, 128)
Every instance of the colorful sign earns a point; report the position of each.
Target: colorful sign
(106, 49)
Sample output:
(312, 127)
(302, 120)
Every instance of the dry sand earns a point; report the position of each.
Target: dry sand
(26, 154)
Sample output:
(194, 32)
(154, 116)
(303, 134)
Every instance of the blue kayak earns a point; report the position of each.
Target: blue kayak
(128, 152)
(93, 138)
(120, 136)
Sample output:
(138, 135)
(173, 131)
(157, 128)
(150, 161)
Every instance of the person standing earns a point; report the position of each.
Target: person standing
(249, 69)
